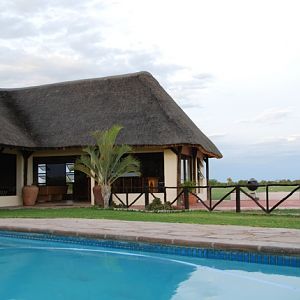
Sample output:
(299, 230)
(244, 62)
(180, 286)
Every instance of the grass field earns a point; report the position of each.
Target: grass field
(280, 219)
(218, 193)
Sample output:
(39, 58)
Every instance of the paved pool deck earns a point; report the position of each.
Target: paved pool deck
(258, 239)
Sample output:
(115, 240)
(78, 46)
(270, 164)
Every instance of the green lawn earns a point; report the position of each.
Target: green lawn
(280, 219)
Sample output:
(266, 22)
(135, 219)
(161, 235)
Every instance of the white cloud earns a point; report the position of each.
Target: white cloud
(270, 116)
(293, 138)
(212, 58)
(217, 135)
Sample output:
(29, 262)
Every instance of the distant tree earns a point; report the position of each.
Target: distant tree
(230, 181)
(214, 182)
(242, 182)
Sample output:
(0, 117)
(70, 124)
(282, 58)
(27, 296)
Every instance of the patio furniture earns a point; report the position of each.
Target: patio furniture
(52, 193)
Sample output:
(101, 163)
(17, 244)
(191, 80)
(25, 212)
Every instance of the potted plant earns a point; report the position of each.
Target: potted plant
(29, 194)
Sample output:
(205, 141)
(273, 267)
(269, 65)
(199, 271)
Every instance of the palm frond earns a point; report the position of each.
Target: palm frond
(106, 161)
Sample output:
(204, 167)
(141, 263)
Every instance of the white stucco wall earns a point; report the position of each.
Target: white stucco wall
(202, 193)
(170, 170)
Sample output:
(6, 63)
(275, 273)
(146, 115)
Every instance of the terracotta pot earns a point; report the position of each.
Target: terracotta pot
(193, 199)
(98, 196)
(29, 194)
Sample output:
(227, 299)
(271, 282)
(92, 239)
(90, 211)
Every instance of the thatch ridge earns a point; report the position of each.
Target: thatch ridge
(61, 115)
(12, 129)
(78, 81)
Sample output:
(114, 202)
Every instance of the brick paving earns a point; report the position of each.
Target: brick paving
(271, 240)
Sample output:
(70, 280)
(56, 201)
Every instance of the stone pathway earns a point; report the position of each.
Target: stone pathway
(271, 240)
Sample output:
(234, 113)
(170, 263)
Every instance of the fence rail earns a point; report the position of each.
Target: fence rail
(183, 194)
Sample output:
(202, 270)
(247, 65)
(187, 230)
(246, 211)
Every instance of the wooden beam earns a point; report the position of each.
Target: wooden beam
(174, 150)
(179, 150)
(207, 169)
(194, 167)
(207, 178)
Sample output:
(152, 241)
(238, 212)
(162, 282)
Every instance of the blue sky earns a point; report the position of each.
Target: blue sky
(233, 66)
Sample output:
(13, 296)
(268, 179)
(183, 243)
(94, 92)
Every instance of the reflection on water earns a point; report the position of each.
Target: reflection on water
(63, 274)
(210, 283)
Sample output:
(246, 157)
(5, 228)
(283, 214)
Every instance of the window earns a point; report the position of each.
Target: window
(42, 174)
(69, 172)
(186, 168)
(55, 173)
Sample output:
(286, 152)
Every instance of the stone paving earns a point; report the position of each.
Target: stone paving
(271, 240)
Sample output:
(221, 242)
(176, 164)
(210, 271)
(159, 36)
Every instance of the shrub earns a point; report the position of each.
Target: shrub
(189, 184)
(156, 204)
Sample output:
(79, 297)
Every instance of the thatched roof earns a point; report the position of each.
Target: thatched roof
(64, 114)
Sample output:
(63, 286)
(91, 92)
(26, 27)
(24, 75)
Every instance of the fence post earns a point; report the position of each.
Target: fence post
(110, 198)
(209, 197)
(146, 195)
(267, 199)
(238, 199)
(186, 198)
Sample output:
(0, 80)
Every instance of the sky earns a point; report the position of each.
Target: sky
(232, 65)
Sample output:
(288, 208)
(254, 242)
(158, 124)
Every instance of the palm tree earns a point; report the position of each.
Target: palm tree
(106, 161)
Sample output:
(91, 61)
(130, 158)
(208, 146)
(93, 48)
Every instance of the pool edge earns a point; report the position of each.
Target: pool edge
(275, 250)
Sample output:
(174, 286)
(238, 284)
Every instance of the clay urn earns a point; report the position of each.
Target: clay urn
(29, 194)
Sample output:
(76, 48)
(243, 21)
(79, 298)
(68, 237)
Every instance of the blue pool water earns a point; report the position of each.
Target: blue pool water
(36, 269)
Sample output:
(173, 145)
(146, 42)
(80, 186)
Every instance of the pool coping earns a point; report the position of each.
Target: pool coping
(277, 259)
(258, 246)
(163, 241)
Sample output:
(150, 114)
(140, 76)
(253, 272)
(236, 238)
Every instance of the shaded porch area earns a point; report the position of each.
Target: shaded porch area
(58, 182)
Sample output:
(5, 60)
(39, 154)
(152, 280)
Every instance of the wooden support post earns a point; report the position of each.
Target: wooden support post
(179, 149)
(110, 198)
(127, 204)
(267, 199)
(207, 178)
(186, 198)
(238, 199)
(146, 195)
(207, 169)
(194, 166)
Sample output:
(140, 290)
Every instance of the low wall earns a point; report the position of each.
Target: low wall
(6, 201)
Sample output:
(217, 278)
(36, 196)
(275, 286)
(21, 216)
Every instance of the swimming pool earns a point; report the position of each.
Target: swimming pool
(37, 266)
